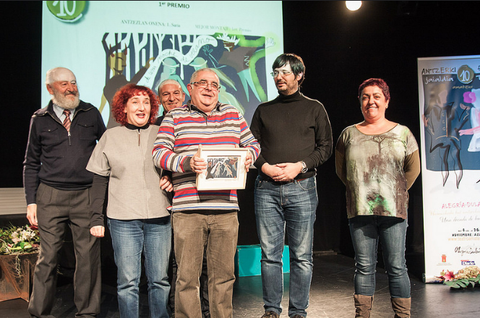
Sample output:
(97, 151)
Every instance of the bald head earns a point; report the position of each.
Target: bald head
(59, 74)
(203, 88)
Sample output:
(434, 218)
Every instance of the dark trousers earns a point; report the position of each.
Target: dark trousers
(57, 209)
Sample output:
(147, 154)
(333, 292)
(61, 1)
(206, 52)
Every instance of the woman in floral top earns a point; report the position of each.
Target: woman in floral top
(378, 161)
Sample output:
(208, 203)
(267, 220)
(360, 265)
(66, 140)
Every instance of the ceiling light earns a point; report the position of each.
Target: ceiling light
(353, 5)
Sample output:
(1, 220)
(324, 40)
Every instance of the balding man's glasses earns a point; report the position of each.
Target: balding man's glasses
(205, 84)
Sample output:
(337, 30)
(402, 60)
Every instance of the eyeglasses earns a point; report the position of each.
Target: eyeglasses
(283, 72)
(205, 84)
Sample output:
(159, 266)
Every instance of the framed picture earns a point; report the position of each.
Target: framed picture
(225, 169)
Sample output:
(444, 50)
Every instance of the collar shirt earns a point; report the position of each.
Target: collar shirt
(59, 112)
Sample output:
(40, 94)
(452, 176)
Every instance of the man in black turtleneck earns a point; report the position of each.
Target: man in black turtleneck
(295, 137)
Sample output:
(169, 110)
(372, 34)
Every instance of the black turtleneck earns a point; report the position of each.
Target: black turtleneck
(293, 128)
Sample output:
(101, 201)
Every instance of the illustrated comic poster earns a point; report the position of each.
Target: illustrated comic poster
(109, 44)
(449, 96)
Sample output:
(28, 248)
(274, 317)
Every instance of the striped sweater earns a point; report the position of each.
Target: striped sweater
(181, 132)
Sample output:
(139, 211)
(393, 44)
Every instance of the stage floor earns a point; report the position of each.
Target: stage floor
(331, 296)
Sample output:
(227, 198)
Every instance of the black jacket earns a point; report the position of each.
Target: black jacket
(56, 158)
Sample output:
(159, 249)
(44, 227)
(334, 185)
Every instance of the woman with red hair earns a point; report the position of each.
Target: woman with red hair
(137, 214)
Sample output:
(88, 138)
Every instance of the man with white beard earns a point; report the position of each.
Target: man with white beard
(61, 139)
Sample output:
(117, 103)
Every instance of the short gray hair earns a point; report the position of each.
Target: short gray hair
(169, 81)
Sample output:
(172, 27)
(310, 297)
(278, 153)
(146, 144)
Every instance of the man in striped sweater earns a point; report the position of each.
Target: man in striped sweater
(202, 218)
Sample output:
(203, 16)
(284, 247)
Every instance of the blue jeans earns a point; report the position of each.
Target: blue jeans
(366, 232)
(291, 206)
(130, 238)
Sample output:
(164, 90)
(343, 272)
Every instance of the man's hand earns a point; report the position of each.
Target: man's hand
(198, 164)
(289, 171)
(271, 171)
(248, 161)
(166, 183)
(98, 231)
(32, 214)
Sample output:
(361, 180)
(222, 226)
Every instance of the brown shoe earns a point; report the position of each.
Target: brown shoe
(363, 305)
(297, 316)
(270, 314)
(401, 307)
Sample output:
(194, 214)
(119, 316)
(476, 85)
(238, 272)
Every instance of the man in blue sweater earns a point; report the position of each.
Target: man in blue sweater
(61, 139)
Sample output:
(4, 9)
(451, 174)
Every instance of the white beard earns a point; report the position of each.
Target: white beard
(64, 102)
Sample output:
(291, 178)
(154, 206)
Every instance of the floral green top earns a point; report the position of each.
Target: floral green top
(377, 170)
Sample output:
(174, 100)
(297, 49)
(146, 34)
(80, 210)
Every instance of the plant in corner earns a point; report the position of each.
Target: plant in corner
(19, 240)
(467, 277)
(16, 241)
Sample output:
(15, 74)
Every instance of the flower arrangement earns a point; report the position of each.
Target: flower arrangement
(469, 276)
(19, 240)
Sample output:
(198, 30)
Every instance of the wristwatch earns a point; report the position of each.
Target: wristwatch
(304, 167)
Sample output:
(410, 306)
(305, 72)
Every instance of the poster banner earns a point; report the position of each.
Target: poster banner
(449, 99)
(108, 44)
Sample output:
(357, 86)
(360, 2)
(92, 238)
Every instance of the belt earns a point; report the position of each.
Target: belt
(285, 182)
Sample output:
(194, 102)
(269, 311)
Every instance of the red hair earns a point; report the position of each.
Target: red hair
(124, 94)
(380, 83)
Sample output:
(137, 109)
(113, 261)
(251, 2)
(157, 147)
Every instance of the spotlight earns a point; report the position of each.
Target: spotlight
(353, 5)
